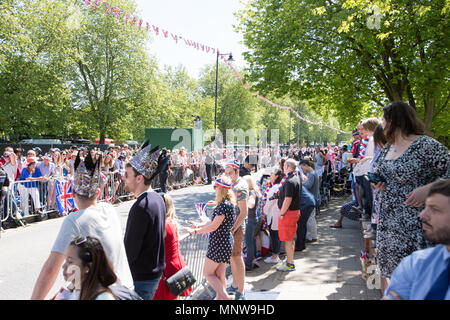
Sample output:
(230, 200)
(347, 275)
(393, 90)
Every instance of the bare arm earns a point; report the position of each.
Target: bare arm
(242, 215)
(48, 275)
(13, 158)
(286, 203)
(212, 226)
(251, 202)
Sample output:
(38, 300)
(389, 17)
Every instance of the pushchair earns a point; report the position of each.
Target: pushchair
(325, 190)
(339, 185)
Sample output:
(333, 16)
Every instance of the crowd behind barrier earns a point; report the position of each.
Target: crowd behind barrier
(37, 188)
(185, 169)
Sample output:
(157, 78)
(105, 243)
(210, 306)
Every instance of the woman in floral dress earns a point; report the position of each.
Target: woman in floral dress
(410, 163)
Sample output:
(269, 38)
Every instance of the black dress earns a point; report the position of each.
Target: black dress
(399, 231)
(220, 244)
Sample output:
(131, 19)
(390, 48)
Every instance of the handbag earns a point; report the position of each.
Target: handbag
(180, 281)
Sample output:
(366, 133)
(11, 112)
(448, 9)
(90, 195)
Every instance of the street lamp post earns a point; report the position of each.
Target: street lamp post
(230, 58)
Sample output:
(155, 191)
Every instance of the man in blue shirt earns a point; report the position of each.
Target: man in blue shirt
(26, 189)
(424, 275)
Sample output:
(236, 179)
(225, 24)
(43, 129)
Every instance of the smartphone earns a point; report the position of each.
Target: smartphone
(375, 178)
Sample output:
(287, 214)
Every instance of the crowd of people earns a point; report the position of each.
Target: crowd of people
(399, 184)
(392, 169)
(36, 171)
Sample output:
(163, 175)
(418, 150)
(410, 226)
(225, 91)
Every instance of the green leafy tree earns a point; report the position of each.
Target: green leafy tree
(347, 54)
(111, 68)
(33, 96)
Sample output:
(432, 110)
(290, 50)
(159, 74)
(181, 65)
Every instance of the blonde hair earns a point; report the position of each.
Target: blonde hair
(225, 194)
(170, 208)
(252, 185)
(370, 124)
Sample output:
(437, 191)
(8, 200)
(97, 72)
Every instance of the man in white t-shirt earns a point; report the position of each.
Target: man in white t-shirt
(92, 219)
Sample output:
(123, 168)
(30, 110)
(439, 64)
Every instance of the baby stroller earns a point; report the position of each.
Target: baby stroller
(339, 186)
(325, 190)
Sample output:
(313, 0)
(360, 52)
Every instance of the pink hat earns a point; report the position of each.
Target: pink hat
(30, 161)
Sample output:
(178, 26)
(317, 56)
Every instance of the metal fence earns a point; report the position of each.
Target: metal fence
(193, 249)
(34, 198)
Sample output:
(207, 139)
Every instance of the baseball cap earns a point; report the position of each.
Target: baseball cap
(37, 149)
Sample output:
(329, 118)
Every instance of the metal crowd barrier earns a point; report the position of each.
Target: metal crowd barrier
(40, 197)
(193, 249)
(29, 198)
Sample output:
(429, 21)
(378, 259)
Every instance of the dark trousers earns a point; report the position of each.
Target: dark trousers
(209, 168)
(305, 213)
(365, 192)
(163, 180)
(250, 241)
(274, 241)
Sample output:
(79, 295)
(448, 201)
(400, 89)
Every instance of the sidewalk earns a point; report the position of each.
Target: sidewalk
(329, 269)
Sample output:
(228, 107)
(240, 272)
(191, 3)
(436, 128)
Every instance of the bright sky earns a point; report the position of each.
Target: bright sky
(209, 22)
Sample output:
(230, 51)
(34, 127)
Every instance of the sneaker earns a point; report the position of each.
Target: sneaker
(231, 289)
(258, 256)
(272, 260)
(285, 267)
(256, 264)
(239, 296)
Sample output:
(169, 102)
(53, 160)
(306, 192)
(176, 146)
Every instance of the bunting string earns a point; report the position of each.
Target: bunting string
(146, 26)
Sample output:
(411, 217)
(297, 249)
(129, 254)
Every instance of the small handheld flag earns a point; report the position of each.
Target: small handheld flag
(201, 210)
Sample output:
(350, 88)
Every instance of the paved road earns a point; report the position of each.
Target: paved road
(23, 251)
(329, 269)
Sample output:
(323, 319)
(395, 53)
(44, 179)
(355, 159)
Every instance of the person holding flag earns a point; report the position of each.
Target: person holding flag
(93, 219)
(220, 243)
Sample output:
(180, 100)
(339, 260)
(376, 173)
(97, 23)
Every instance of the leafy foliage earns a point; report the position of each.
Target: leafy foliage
(352, 56)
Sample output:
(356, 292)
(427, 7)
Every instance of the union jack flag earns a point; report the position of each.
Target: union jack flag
(201, 210)
(64, 197)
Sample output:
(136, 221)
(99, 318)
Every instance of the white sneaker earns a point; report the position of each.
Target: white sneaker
(272, 260)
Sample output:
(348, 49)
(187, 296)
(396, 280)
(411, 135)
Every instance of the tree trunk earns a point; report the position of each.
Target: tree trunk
(430, 103)
(102, 136)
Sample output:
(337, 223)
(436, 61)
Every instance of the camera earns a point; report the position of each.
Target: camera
(375, 178)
